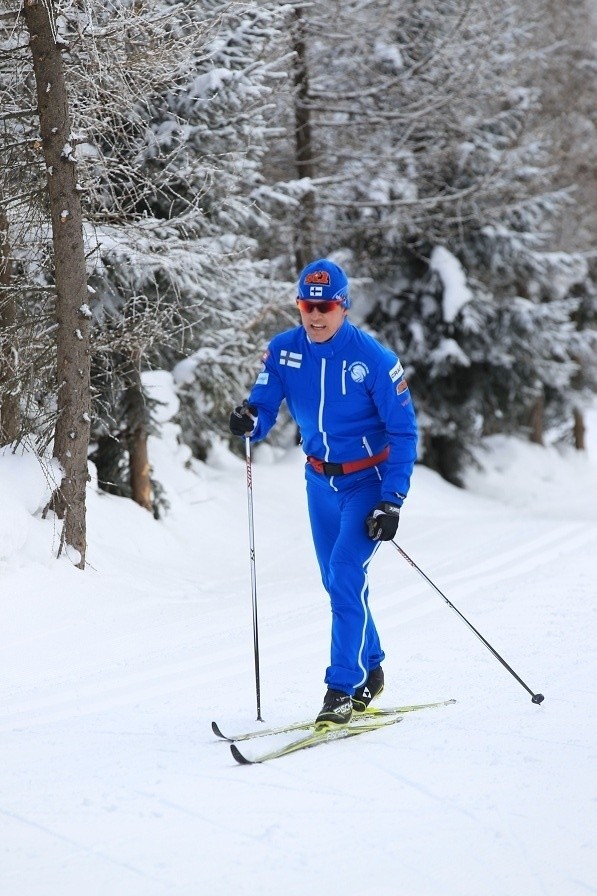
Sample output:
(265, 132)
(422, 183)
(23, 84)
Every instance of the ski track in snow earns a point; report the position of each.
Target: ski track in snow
(113, 781)
(98, 696)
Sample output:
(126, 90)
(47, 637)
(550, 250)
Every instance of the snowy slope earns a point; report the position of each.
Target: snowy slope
(112, 781)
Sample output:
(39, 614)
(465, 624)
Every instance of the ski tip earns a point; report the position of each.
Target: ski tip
(217, 730)
(242, 760)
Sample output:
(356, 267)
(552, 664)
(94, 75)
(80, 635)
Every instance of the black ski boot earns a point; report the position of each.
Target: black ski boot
(369, 691)
(335, 712)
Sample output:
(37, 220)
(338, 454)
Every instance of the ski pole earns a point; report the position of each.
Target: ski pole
(535, 698)
(253, 574)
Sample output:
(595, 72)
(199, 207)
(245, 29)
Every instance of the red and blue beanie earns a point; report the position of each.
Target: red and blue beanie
(323, 280)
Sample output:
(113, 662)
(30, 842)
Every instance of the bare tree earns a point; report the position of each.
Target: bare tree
(305, 168)
(27, 321)
(9, 403)
(568, 73)
(137, 415)
(71, 437)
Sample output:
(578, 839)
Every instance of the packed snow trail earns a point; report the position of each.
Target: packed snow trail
(109, 680)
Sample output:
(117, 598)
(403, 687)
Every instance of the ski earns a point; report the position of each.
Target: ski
(371, 712)
(315, 738)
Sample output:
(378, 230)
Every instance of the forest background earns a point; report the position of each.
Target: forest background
(167, 168)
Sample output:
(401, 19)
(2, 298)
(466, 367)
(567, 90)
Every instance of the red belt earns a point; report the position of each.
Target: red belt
(351, 466)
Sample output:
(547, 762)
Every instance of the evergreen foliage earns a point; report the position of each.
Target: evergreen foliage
(424, 167)
(172, 163)
(428, 147)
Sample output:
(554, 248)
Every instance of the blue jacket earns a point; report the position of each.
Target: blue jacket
(348, 397)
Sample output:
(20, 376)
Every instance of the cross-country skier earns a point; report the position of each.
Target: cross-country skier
(351, 402)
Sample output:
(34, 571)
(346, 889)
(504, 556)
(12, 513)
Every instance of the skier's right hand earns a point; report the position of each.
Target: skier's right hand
(243, 419)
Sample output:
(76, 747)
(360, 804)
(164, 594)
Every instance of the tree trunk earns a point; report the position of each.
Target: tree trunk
(10, 417)
(71, 438)
(579, 430)
(137, 415)
(140, 469)
(537, 420)
(303, 242)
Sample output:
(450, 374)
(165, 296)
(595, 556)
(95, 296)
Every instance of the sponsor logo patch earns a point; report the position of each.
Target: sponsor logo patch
(358, 371)
(401, 387)
(396, 372)
(262, 379)
(290, 359)
(320, 277)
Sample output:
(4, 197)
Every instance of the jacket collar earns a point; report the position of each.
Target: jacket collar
(334, 345)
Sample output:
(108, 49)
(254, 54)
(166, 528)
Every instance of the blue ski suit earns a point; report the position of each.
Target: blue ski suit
(350, 401)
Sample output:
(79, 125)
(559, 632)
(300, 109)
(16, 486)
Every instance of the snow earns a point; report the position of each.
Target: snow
(112, 781)
(453, 278)
(446, 355)
(390, 54)
(206, 84)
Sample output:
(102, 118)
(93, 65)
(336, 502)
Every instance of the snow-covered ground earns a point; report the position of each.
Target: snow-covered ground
(112, 781)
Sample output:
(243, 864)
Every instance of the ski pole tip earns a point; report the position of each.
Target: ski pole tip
(537, 698)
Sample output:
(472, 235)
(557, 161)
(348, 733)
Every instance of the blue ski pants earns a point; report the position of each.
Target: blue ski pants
(337, 510)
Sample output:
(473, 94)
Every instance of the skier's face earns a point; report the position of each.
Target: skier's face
(321, 320)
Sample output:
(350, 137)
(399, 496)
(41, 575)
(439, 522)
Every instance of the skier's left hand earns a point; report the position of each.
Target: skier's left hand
(382, 522)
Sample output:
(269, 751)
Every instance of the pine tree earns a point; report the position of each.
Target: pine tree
(171, 109)
(175, 270)
(428, 162)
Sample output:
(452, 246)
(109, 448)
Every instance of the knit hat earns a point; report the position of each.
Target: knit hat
(323, 280)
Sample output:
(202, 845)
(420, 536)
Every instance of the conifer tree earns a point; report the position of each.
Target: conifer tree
(432, 176)
(66, 250)
(171, 112)
(176, 271)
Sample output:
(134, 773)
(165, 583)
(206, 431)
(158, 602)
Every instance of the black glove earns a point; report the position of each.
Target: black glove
(382, 522)
(243, 419)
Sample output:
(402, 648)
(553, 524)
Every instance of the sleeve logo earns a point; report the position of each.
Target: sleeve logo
(396, 372)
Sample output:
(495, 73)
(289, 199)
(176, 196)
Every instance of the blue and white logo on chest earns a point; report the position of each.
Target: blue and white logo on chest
(358, 370)
(290, 359)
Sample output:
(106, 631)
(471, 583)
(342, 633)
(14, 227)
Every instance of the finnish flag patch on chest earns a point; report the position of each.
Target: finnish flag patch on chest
(290, 359)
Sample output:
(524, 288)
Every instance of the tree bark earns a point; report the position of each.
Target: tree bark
(579, 430)
(10, 418)
(537, 420)
(140, 470)
(71, 438)
(304, 228)
(137, 435)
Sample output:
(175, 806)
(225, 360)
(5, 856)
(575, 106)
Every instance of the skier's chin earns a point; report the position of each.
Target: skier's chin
(319, 334)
